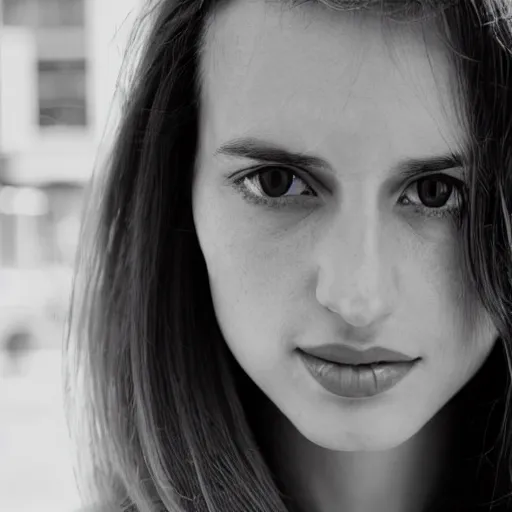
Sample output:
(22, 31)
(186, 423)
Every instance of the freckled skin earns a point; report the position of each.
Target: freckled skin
(331, 84)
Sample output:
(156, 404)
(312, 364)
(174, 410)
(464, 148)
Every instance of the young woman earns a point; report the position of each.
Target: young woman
(294, 292)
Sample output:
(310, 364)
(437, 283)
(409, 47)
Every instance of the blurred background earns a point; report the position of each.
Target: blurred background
(59, 61)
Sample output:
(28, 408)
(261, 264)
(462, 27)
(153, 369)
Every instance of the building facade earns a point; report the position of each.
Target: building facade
(59, 61)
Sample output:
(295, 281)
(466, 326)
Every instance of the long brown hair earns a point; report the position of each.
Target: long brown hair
(157, 407)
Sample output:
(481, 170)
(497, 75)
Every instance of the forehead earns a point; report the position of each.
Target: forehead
(310, 75)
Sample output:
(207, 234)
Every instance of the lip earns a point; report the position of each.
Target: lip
(356, 381)
(344, 354)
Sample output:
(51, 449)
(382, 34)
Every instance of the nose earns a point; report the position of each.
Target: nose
(358, 277)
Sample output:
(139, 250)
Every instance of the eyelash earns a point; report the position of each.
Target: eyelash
(280, 202)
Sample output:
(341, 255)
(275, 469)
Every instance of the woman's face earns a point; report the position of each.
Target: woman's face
(351, 252)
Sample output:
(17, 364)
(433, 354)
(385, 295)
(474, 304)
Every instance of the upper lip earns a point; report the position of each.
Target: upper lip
(346, 355)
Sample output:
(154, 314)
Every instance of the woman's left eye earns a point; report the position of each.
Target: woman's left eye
(435, 195)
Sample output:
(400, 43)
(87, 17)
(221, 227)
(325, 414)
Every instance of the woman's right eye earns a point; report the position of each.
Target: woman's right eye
(274, 186)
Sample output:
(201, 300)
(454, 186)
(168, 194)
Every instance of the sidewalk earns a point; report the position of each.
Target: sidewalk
(35, 465)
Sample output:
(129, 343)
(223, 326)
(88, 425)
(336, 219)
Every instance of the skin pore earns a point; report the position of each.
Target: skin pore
(349, 253)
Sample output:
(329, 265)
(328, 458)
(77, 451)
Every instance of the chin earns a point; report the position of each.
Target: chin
(378, 436)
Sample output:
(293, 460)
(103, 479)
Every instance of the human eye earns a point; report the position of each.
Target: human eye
(280, 186)
(275, 186)
(435, 195)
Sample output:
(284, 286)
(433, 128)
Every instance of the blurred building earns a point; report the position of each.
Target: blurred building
(59, 63)
(46, 138)
(59, 60)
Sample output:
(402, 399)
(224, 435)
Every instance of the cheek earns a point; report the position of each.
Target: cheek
(252, 310)
(464, 333)
(434, 279)
(252, 281)
(470, 319)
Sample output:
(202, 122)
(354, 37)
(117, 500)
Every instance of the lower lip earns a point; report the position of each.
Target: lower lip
(352, 381)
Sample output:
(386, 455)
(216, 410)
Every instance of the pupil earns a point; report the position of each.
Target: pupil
(434, 193)
(276, 182)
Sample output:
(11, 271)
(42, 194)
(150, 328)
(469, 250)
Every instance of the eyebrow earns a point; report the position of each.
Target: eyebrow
(256, 149)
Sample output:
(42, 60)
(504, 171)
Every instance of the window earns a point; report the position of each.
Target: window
(19, 12)
(44, 13)
(8, 240)
(62, 93)
(58, 13)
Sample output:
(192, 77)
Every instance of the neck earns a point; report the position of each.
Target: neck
(403, 479)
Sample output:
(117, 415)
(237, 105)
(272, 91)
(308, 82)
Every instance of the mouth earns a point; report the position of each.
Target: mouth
(357, 381)
(348, 356)
(375, 364)
(364, 364)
